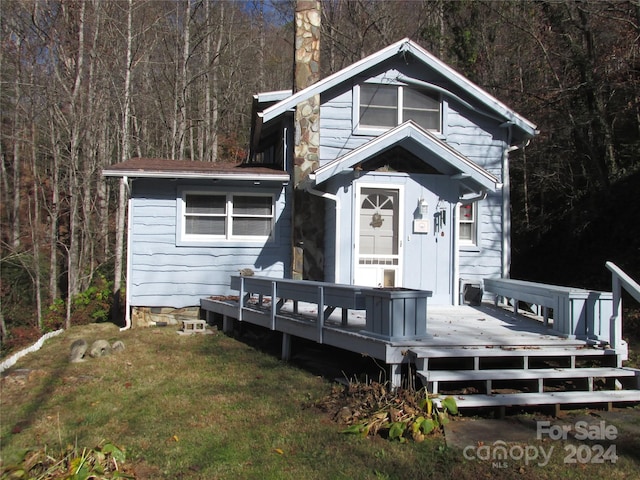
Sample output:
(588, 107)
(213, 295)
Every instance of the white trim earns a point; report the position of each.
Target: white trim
(399, 110)
(402, 47)
(474, 241)
(275, 177)
(408, 132)
(186, 239)
(359, 186)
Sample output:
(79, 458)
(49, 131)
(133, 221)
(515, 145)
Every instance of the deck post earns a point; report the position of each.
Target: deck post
(273, 305)
(286, 347)
(395, 375)
(615, 330)
(242, 301)
(320, 318)
(227, 323)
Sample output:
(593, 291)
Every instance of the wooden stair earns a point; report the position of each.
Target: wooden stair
(496, 376)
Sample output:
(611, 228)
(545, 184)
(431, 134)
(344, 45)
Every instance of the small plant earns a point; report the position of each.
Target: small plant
(400, 414)
(102, 462)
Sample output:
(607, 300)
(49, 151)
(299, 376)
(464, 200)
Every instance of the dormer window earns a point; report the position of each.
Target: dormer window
(385, 106)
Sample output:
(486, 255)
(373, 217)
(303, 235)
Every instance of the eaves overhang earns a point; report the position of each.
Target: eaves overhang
(183, 169)
(402, 47)
(184, 175)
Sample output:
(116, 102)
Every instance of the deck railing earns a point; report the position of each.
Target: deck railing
(619, 280)
(577, 313)
(327, 297)
(391, 313)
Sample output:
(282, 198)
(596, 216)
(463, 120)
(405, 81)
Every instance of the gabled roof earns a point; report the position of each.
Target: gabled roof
(413, 138)
(402, 48)
(162, 168)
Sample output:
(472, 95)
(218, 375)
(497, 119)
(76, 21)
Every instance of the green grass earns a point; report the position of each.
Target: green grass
(213, 407)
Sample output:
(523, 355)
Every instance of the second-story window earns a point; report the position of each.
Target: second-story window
(386, 106)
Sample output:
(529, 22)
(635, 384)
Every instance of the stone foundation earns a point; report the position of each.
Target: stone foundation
(151, 316)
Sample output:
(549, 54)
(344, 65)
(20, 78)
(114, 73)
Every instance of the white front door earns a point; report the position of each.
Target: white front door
(378, 237)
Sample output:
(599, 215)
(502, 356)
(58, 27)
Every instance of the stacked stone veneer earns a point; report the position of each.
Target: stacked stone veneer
(308, 210)
(306, 73)
(149, 316)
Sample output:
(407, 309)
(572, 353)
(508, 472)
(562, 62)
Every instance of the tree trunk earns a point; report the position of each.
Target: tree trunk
(215, 87)
(54, 213)
(184, 97)
(17, 178)
(73, 262)
(35, 224)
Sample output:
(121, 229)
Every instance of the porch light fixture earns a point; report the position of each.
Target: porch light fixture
(423, 208)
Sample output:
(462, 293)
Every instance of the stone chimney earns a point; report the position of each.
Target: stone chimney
(308, 210)
(306, 72)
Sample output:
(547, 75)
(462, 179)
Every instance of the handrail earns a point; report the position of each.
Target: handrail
(630, 285)
(326, 296)
(619, 279)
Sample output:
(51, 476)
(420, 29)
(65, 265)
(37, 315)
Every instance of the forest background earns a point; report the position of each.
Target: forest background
(88, 83)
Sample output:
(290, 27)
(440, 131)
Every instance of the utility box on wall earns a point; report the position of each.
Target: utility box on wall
(396, 313)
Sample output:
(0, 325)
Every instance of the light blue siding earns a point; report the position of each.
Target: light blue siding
(163, 274)
(480, 138)
(426, 262)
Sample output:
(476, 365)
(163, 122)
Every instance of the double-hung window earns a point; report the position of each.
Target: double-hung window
(226, 216)
(386, 106)
(468, 224)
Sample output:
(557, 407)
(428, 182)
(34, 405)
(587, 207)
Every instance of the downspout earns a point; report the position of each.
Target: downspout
(127, 296)
(506, 202)
(336, 200)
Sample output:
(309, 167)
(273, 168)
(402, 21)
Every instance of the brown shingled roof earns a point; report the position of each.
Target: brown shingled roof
(152, 167)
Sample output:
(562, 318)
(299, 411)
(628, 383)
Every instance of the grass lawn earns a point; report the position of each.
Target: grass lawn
(213, 407)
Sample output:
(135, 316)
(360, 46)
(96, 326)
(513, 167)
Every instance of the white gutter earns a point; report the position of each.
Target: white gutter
(215, 176)
(466, 200)
(127, 297)
(446, 93)
(338, 208)
(506, 213)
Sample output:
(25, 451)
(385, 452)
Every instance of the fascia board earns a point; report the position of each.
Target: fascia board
(404, 45)
(426, 140)
(332, 80)
(196, 175)
(467, 85)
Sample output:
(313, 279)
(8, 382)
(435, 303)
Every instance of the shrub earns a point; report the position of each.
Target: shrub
(91, 306)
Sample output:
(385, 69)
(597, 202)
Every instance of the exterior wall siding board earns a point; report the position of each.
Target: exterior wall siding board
(189, 272)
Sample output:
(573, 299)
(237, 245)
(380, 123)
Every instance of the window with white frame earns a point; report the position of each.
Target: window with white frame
(468, 224)
(386, 106)
(226, 216)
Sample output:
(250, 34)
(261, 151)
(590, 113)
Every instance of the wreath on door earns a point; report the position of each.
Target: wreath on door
(376, 220)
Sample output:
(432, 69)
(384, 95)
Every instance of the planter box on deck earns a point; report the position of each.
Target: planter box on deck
(396, 313)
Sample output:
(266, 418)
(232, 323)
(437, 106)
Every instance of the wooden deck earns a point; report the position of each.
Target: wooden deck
(484, 355)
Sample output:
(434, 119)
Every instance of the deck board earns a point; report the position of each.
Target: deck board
(547, 398)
